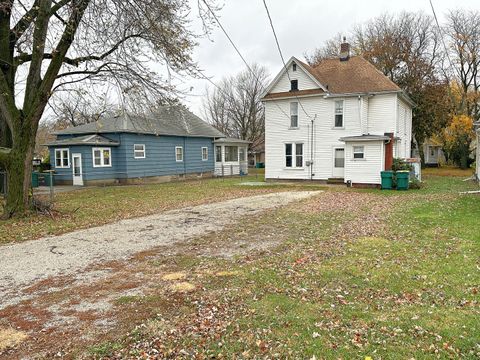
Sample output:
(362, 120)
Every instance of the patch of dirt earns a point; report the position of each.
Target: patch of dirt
(182, 287)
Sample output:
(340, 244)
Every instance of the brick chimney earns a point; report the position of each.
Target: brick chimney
(344, 50)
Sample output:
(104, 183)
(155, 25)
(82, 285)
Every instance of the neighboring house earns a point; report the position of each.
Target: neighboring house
(170, 143)
(342, 120)
(256, 154)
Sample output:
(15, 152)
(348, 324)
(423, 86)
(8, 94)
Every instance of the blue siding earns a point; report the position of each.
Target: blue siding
(159, 161)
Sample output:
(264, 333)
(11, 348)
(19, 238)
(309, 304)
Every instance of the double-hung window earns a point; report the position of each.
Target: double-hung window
(294, 155)
(358, 152)
(294, 114)
(179, 153)
(218, 153)
(139, 151)
(339, 113)
(204, 153)
(102, 157)
(62, 158)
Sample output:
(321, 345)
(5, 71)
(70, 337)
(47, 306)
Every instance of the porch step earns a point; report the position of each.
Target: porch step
(336, 181)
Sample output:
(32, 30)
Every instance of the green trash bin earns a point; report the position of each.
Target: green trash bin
(387, 180)
(34, 179)
(402, 179)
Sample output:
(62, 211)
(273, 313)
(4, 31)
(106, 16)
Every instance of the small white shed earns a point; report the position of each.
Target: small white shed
(231, 157)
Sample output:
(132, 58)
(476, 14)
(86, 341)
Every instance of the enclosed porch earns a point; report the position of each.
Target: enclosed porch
(231, 157)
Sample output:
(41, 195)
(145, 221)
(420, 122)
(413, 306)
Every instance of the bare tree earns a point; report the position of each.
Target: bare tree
(463, 33)
(48, 45)
(235, 106)
(78, 107)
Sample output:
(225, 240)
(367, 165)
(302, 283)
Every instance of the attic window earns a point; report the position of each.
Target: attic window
(294, 85)
(294, 67)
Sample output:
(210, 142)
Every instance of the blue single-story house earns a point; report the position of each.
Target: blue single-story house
(168, 144)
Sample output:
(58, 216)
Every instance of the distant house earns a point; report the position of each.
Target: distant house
(170, 143)
(432, 152)
(342, 120)
(256, 154)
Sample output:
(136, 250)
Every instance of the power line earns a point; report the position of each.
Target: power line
(281, 54)
(443, 40)
(240, 55)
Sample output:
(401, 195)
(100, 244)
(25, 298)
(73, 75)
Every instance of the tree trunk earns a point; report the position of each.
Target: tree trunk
(19, 173)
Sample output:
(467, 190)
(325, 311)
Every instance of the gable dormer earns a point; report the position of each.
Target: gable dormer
(298, 79)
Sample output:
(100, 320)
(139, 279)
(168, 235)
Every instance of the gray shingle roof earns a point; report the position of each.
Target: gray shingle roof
(84, 140)
(166, 120)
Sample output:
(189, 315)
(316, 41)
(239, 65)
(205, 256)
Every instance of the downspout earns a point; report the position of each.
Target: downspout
(311, 148)
(184, 156)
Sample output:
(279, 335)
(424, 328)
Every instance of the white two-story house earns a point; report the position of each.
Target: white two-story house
(342, 119)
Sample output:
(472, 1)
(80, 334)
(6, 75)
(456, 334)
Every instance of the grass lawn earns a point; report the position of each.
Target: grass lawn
(390, 277)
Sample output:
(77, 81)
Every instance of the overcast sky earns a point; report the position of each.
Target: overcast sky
(301, 26)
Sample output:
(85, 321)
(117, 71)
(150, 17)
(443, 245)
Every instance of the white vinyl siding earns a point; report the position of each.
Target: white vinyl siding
(62, 158)
(139, 151)
(366, 171)
(102, 157)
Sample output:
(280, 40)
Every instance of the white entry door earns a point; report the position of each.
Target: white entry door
(338, 162)
(77, 169)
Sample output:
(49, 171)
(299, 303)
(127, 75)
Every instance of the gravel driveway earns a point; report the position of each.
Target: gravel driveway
(26, 263)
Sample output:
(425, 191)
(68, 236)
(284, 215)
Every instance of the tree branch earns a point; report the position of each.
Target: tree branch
(24, 57)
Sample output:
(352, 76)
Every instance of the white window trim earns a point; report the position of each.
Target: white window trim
(61, 158)
(353, 153)
(290, 127)
(205, 148)
(335, 114)
(102, 159)
(294, 156)
(176, 158)
(135, 151)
